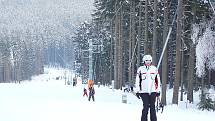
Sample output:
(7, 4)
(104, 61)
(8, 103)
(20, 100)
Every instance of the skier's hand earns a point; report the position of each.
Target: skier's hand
(138, 95)
(158, 94)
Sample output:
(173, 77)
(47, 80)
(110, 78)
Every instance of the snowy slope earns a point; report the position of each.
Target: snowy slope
(52, 100)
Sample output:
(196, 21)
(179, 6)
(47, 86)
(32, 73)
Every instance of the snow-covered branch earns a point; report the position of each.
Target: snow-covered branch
(205, 52)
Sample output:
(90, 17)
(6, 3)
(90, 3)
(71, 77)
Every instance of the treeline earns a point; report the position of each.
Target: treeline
(128, 29)
(34, 34)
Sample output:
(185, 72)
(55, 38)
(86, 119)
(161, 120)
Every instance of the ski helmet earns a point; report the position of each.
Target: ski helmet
(147, 58)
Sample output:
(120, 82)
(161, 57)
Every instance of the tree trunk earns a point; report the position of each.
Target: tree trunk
(132, 43)
(191, 74)
(120, 49)
(182, 72)
(140, 37)
(191, 6)
(115, 48)
(178, 52)
(146, 44)
(37, 62)
(209, 77)
(7, 70)
(165, 56)
(111, 53)
(154, 42)
(18, 72)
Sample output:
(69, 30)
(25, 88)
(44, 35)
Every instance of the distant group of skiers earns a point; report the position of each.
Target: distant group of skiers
(91, 90)
(147, 88)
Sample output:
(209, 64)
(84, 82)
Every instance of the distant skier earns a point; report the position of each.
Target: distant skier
(90, 83)
(127, 88)
(85, 92)
(148, 87)
(91, 93)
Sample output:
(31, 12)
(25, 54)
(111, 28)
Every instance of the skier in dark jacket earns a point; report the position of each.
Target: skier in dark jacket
(148, 87)
(91, 93)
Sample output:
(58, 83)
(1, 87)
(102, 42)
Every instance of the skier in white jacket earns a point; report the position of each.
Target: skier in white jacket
(148, 87)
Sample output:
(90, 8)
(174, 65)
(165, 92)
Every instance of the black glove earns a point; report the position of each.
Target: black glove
(158, 94)
(138, 95)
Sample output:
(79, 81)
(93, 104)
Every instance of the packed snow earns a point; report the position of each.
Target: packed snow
(46, 99)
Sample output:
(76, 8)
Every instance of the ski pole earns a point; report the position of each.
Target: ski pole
(157, 105)
(160, 106)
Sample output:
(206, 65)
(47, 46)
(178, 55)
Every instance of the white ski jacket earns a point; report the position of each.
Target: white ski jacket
(150, 80)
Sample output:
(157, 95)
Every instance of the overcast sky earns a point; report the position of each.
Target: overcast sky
(22, 13)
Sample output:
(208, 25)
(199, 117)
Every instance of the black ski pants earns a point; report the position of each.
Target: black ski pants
(148, 102)
(91, 95)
